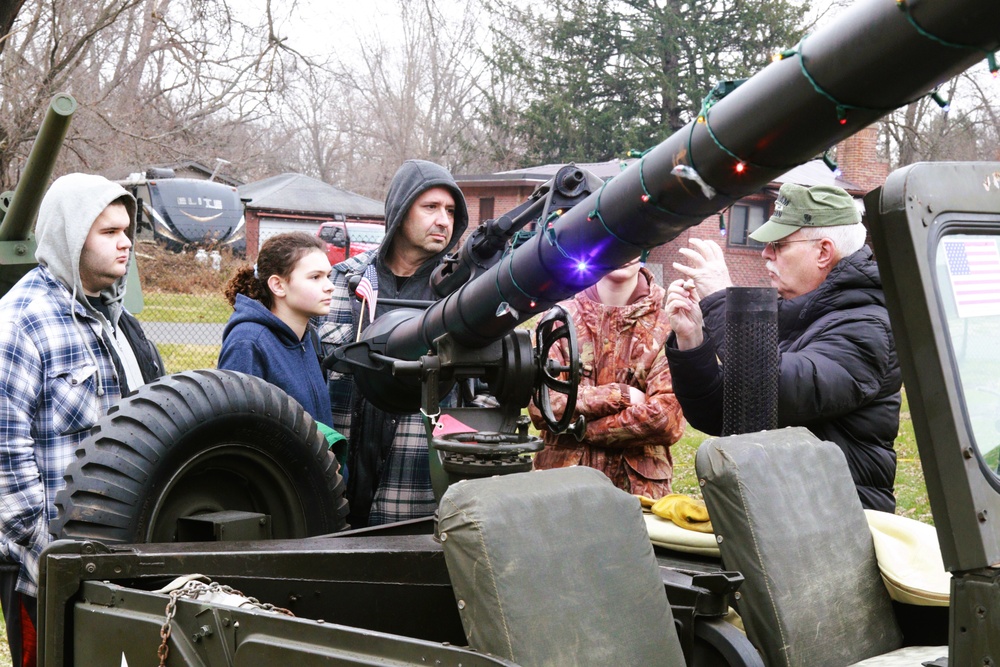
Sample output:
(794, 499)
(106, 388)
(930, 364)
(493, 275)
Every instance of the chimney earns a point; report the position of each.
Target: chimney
(857, 157)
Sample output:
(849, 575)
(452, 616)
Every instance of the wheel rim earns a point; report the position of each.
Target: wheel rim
(228, 477)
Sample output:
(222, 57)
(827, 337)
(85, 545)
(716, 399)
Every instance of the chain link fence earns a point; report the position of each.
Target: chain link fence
(184, 307)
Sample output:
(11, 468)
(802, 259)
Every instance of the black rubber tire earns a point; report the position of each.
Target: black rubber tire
(197, 442)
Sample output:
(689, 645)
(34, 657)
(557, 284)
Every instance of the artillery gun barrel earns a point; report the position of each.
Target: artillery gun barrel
(27, 197)
(876, 57)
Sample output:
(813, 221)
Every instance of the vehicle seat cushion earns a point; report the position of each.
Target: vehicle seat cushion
(911, 656)
(555, 567)
(909, 557)
(787, 515)
(666, 533)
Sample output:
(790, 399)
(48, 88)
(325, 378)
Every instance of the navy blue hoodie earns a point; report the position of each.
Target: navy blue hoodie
(256, 342)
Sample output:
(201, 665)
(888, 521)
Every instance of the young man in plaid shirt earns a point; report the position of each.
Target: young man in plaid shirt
(68, 352)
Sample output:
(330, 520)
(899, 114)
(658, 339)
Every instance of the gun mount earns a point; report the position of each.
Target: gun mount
(19, 208)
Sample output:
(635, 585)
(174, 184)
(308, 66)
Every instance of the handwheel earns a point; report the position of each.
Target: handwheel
(554, 327)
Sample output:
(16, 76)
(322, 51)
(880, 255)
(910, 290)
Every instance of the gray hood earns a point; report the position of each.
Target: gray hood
(412, 179)
(65, 217)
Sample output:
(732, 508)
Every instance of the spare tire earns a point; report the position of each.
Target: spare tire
(198, 442)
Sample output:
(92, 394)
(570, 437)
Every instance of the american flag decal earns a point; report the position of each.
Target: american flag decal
(974, 269)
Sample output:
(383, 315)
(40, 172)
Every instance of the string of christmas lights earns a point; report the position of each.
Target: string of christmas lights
(646, 196)
(532, 300)
(991, 56)
(719, 92)
(581, 264)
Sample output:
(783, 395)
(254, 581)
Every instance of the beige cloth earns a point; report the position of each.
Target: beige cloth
(666, 533)
(909, 558)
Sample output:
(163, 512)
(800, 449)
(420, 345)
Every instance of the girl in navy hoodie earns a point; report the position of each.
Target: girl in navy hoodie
(268, 333)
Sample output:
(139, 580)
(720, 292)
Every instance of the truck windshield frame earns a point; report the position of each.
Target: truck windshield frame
(912, 219)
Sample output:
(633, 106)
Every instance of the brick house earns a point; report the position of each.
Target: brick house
(490, 195)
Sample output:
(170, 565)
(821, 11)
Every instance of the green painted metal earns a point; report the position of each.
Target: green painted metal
(19, 208)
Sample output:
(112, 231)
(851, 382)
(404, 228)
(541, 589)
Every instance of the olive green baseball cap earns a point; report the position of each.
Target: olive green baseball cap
(798, 206)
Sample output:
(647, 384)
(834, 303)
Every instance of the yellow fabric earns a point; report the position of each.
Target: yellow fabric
(909, 558)
(685, 511)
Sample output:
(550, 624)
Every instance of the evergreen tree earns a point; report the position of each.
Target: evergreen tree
(600, 77)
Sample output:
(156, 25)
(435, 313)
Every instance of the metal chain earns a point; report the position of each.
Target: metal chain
(164, 649)
(194, 590)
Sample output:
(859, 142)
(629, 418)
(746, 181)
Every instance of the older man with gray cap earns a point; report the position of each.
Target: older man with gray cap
(838, 375)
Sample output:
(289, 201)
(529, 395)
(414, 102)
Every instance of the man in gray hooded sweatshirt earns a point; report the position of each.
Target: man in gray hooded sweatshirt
(68, 352)
(388, 476)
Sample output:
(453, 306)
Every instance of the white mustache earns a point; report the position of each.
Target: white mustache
(769, 265)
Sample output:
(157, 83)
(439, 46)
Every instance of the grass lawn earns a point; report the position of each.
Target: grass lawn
(179, 357)
(210, 307)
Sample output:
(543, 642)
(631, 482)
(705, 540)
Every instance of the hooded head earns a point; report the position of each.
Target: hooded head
(412, 179)
(65, 217)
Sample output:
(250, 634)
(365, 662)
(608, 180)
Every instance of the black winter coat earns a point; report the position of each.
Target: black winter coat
(839, 375)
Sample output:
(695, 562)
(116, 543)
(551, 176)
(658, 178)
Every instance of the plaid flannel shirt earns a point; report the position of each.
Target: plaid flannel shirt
(48, 403)
(404, 490)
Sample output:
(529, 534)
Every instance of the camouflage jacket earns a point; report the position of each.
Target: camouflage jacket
(620, 347)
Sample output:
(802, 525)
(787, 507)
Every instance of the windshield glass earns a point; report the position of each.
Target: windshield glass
(968, 269)
(332, 234)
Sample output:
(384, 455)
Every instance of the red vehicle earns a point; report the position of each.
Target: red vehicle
(346, 239)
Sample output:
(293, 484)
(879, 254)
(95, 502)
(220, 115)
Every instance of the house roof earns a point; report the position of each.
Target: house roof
(814, 172)
(195, 166)
(302, 194)
(196, 170)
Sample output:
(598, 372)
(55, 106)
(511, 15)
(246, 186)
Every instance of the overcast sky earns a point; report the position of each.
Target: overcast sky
(320, 28)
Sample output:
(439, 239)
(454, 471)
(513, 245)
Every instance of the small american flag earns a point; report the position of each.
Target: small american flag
(974, 268)
(368, 290)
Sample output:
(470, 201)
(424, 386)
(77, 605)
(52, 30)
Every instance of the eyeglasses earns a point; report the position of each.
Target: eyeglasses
(776, 246)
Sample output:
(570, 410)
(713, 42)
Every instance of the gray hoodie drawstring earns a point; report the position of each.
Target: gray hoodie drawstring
(83, 336)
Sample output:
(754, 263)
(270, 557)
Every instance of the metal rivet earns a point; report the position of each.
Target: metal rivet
(90, 568)
(701, 482)
(461, 604)
(444, 537)
(718, 539)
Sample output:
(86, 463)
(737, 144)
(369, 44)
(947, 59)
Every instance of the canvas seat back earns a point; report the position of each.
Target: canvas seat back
(555, 567)
(787, 516)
